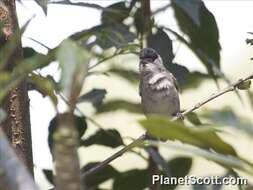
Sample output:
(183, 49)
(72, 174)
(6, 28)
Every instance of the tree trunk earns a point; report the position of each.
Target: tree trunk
(16, 104)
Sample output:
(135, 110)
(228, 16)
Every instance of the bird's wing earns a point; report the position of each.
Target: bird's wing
(175, 82)
(160, 83)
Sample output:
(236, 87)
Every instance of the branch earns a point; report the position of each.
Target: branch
(229, 88)
(66, 156)
(97, 124)
(108, 58)
(161, 9)
(139, 141)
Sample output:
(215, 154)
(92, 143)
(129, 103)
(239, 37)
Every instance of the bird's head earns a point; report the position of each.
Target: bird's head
(148, 55)
(150, 60)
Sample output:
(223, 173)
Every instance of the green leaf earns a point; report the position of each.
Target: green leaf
(226, 161)
(161, 42)
(191, 8)
(179, 167)
(43, 5)
(95, 96)
(79, 122)
(113, 35)
(114, 105)
(49, 175)
(21, 70)
(74, 62)
(44, 85)
(100, 176)
(185, 78)
(28, 52)
(244, 85)
(250, 95)
(202, 137)
(129, 75)
(249, 41)
(107, 36)
(135, 179)
(115, 13)
(82, 4)
(108, 137)
(199, 24)
(193, 118)
(9, 46)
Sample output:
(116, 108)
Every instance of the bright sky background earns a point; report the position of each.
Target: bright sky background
(234, 20)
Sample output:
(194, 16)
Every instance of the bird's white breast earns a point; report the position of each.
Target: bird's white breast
(159, 94)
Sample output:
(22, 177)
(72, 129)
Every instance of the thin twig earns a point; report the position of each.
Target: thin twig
(99, 126)
(230, 88)
(161, 9)
(108, 58)
(140, 140)
(89, 118)
(101, 165)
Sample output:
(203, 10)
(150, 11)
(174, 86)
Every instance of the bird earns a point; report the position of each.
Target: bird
(158, 87)
(159, 91)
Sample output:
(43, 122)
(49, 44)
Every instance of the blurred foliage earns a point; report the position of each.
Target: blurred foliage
(49, 175)
(43, 5)
(79, 123)
(129, 75)
(44, 85)
(193, 118)
(202, 137)
(118, 34)
(103, 175)
(195, 20)
(161, 42)
(109, 137)
(133, 179)
(244, 86)
(139, 179)
(73, 61)
(179, 167)
(95, 96)
(116, 104)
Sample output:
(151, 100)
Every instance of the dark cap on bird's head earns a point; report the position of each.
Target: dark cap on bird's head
(148, 53)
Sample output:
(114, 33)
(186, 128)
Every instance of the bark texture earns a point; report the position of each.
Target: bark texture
(68, 176)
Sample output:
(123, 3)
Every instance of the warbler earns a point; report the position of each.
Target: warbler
(158, 87)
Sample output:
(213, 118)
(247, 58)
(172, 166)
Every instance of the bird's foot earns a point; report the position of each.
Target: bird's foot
(179, 116)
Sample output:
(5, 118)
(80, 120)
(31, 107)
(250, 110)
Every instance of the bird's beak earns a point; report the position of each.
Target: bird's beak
(144, 61)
